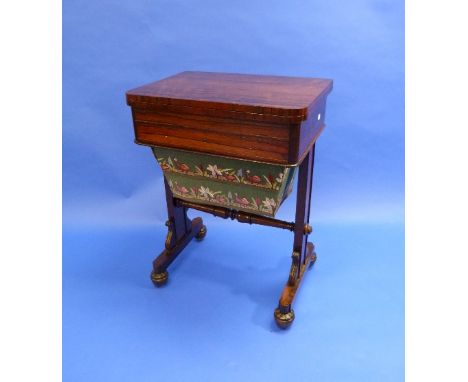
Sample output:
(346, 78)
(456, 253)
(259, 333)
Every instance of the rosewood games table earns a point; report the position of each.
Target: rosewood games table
(231, 145)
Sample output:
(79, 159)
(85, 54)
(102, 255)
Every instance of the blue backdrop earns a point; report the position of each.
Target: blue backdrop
(214, 320)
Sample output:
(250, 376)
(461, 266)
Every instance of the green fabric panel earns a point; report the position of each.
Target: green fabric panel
(237, 184)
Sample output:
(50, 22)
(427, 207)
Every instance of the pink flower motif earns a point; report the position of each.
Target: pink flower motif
(242, 201)
(182, 189)
(221, 199)
(230, 177)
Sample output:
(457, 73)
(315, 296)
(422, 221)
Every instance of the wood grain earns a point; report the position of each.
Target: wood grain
(265, 118)
(276, 95)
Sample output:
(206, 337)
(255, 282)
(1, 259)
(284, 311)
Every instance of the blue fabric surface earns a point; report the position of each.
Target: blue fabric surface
(214, 319)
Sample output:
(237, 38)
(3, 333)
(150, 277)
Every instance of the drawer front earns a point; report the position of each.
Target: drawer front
(239, 139)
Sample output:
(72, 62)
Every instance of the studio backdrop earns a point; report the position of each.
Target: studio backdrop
(214, 320)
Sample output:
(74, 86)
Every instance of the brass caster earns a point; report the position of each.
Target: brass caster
(201, 234)
(159, 279)
(284, 320)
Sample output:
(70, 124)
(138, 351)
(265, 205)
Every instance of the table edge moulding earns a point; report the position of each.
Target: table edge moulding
(230, 145)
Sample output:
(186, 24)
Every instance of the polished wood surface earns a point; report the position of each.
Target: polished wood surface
(303, 251)
(241, 217)
(290, 289)
(263, 118)
(180, 231)
(282, 96)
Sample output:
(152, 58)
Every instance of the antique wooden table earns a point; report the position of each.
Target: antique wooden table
(230, 145)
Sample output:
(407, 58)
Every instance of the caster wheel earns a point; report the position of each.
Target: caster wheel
(159, 279)
(284, 320)
(201, 234)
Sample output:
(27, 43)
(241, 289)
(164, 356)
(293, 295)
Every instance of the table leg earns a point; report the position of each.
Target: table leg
(303, 254)
(181, 230)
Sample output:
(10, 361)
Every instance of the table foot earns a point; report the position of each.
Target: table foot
(284, 314)
(201, 234)
(284, 319)
(159, 279)
(173, 248)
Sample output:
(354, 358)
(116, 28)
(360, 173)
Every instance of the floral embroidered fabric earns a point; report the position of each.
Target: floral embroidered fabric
(237, 184)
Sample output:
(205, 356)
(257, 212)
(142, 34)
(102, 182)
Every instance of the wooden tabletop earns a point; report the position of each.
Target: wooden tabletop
(275, 95)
